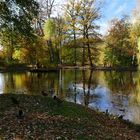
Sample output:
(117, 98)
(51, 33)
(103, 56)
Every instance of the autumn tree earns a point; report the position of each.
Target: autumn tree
(88, 13)
(119, 50)
(135, 32)
(71, 17)
(16, 21)
(46, 8)
(80, 18)
(60, 35)
(18, 15)
(53, 40)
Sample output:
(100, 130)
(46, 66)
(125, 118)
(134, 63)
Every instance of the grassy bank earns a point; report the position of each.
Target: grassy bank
(46, 118)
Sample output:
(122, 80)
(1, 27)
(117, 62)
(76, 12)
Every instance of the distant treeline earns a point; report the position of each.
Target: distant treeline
(31, 34)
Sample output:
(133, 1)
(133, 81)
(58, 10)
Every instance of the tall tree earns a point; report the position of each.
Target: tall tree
(16, 18)
(50, 30)
(46, 12)
(60, 35)
(119, 49)
(135, 31)
(46, 8)
(88, 13)
(18, 14)
(71, 15)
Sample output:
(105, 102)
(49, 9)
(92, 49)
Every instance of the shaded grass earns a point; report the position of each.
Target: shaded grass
(42, 104)
(47, 119)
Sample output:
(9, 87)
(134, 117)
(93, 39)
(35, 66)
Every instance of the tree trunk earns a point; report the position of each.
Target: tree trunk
(83, 58)
(89, 51)
(10, 49)
(49, 44)
(41, 33)
(75, 47)
(89, 55)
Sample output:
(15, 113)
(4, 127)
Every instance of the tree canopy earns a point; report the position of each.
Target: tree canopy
(30, 29)
(18, 15)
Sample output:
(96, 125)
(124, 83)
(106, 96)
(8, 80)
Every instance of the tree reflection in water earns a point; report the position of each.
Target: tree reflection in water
(117, 92)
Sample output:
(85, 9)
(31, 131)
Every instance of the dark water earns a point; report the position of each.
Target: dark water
(117, 92)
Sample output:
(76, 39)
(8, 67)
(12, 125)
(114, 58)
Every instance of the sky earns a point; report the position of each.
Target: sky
(111, 9)
(115, 9)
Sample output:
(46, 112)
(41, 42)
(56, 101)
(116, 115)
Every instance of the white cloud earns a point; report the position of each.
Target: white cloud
(121, 9)
(135, 15)
(138, 3)
(104, 26)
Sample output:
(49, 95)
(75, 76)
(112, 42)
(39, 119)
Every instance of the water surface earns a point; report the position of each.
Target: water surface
(115, 92)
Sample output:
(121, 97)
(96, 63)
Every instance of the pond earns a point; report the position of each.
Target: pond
(115, 92)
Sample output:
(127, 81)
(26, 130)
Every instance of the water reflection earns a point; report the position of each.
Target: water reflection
(117, 92)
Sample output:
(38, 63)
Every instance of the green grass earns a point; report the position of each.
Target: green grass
(46, 119)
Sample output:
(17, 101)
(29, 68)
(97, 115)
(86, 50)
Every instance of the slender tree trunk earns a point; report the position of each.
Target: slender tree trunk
(83, 58)
(89, 51)
(10, 48)
(40, 27)
(10, 53)
(60, 53)
(75, 47)
(89, 55)
(49, 44)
